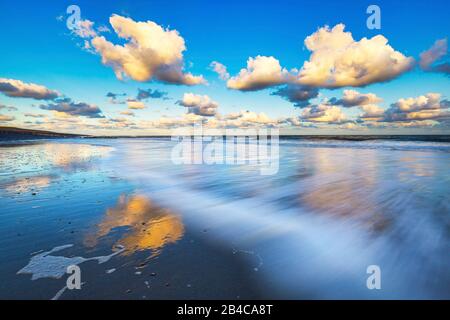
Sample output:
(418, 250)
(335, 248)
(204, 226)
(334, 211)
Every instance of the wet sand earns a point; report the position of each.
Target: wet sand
(224, 232)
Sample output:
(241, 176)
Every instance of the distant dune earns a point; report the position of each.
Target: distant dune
(12, 133)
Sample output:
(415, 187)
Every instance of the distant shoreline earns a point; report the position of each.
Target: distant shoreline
(13, 133)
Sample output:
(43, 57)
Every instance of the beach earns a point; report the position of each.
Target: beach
(142, 227)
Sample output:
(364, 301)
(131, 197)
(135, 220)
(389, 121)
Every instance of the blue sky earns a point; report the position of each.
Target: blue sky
(38, 48)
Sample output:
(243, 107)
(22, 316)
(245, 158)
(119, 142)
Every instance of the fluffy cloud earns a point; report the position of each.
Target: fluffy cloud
(297, 94)
(323, 113)
(220, 69)
(19, 89)
(261, 72)
(352, 98)
(372, 112)
(427, 107)
(136, 105)
(337, 60)
(6, 118)
(429, 58)
(150, 93)
(198, 104)
(68, 107)
(243, 119)
(151, 52)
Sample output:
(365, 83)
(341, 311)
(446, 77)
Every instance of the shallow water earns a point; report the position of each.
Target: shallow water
(226, 231)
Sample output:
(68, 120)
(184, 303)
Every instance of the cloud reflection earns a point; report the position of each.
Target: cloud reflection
(150, 227)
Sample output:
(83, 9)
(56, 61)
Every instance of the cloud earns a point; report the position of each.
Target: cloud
(68, 107)
(337, 60)
(127, 113)
(372, 112)
(136, 105)
(323, 113)
(352, 98)
(261, 72)
(8, 108)
(149, 93)
(429, 57)
(85, 29)
(115, 123)
(151, 52)
(19, 89)
(34, 115)
(113, 97)
(6, 118)
(243, 119)
(220, 69)
(198, 104)
(186, 119)
(297, 94)
(425, 107)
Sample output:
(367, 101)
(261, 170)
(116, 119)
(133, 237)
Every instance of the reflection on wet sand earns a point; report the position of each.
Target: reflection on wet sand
(20, 163)
(35, 157)
(151, 227)
(30, 184)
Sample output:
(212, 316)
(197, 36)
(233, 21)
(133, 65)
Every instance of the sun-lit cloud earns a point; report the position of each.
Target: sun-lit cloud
(127, 113)
(19, 89)
(136, 105)
(323, 113)
(6, 118)
(425, 107)
(261, 72)
(337, 60)
(352, 98)
(432, 59)
(199, 104)
(150, 52)
(372, 112)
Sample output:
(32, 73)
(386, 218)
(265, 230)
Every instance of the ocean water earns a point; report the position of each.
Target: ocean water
(140, 226)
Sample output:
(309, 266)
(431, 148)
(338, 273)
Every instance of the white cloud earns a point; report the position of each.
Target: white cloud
(198, 104)
(20, 89)
(425, 107)
(323, 113)
(151, 52)
(372, 112)
(352, 98)
(261, 72)
(337, 60)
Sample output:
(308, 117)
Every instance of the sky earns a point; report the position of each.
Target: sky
(147, 67)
